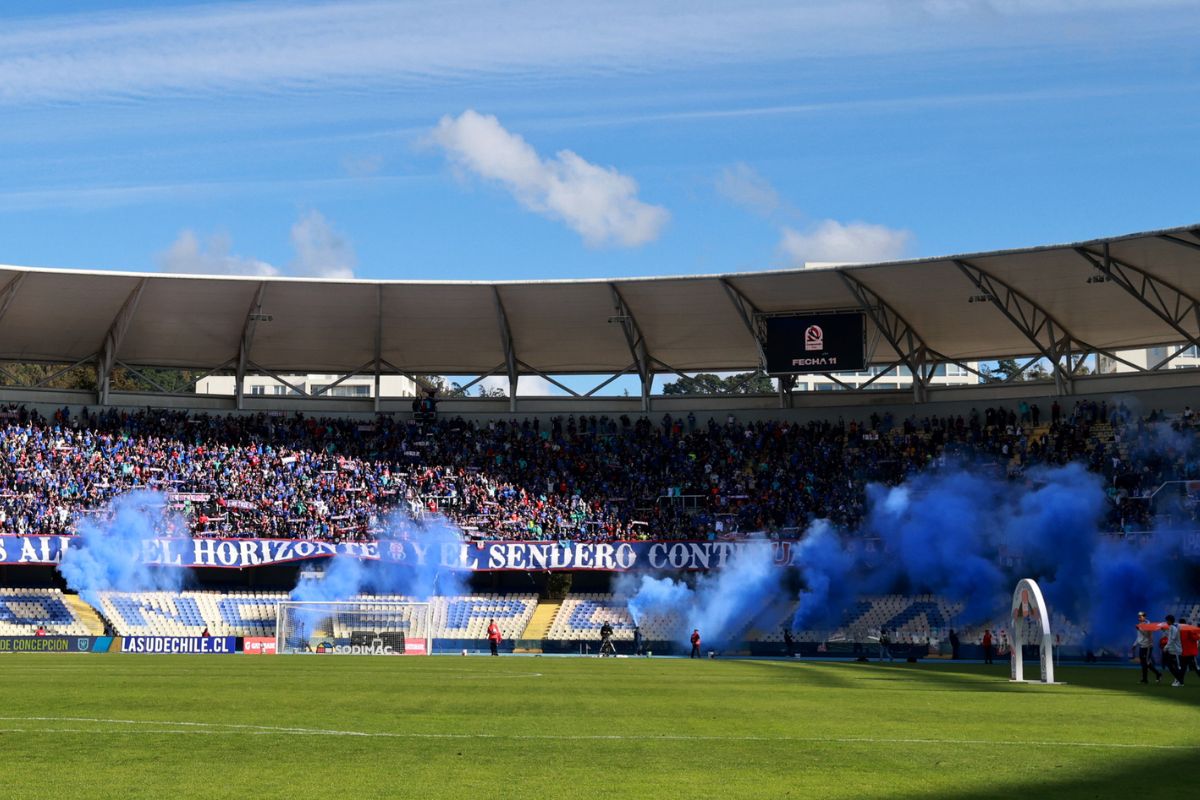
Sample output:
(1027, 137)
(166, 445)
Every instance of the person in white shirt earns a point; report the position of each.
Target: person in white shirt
(1173, 652)
(1144, 644)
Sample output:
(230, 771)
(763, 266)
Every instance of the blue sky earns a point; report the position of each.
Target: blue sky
(463, 140)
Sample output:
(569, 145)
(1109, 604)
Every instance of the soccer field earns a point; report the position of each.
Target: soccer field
(477, 727)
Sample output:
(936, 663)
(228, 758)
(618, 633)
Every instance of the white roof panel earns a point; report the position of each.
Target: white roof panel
(688, 323)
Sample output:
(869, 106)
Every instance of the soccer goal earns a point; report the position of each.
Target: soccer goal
(354, 627)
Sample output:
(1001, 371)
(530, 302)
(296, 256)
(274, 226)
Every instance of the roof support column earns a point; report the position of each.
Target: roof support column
(243, 357)
(636, 342)
(1045, 333)
(112, 341)
(378, 342)
(510, 351)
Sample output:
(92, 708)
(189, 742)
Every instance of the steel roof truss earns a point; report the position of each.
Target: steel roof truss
(1045, 333)
(635, 339)
(510, 350)
(1168, 302)
(243, 354)
(751, 317)
(539, 373)
(9, 292)
(263, 370)
(63, 371)
(903, 338)
(632, 367)
(111, 346)
(346, 377)
(482, 377)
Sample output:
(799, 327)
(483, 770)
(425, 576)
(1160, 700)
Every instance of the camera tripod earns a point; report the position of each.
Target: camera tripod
(607, 648)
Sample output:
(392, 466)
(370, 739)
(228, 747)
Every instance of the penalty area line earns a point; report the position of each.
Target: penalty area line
(223, 728)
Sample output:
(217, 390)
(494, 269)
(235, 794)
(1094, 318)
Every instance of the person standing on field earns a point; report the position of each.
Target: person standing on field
(1173, 652)
(987, 646)
(1189, 642)
(695, 643)
(1144, 643)
(494, 637)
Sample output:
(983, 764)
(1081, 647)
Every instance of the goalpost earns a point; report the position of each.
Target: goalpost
(353, 627)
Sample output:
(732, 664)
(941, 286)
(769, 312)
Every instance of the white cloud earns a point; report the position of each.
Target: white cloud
(188, 256)
(321, 252)
(742, 184)
(277, 46)
(830, 240)
(826, 240)
(362, 166)
(527, 385)
(598, 203)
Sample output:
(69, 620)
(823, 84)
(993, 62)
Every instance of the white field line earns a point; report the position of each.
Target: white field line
(222, 728)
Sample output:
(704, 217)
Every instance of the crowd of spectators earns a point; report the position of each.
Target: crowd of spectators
(582, 478)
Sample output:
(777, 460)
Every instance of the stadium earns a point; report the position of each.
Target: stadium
(818, 542)
(635, 400)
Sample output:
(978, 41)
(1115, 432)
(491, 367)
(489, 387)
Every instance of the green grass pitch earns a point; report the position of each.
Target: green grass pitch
(124, 726)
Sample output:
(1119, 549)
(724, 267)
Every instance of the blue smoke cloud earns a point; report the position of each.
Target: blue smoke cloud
(968, 537)
(829, 569)
(723, 604)
(347, 577)
(108, 551)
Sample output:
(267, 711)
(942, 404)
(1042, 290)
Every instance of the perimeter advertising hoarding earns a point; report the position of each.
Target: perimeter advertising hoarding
(55, 644)
(259, 645)
(189, 645)
(807, 343)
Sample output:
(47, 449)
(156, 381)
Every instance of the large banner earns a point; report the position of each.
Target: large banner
(475, 556)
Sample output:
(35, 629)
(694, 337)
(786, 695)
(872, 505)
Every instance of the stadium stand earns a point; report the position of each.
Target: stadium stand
(23, 611)
(467, 617)
(247, 613)
(587, 479)
(459, 621)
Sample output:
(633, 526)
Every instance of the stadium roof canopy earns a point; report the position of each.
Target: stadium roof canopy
(1096, 296)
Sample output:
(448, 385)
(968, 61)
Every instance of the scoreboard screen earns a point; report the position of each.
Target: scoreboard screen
(815, 343)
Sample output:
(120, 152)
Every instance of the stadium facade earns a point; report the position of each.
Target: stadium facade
(1073, 309)
(1105, 317)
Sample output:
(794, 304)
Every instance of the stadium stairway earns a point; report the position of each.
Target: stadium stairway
(85, 614)
(540, 622)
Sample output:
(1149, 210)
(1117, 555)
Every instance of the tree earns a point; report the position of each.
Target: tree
(81, 376)
(757, 382)
(1009, 369)
(152, 379)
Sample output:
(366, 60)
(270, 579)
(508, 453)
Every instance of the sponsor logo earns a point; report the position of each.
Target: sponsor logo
(376, 648)
(814, 338)
(259, 645)
(179, 644)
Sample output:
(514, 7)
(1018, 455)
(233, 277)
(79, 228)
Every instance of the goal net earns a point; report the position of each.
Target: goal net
(354, 627)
